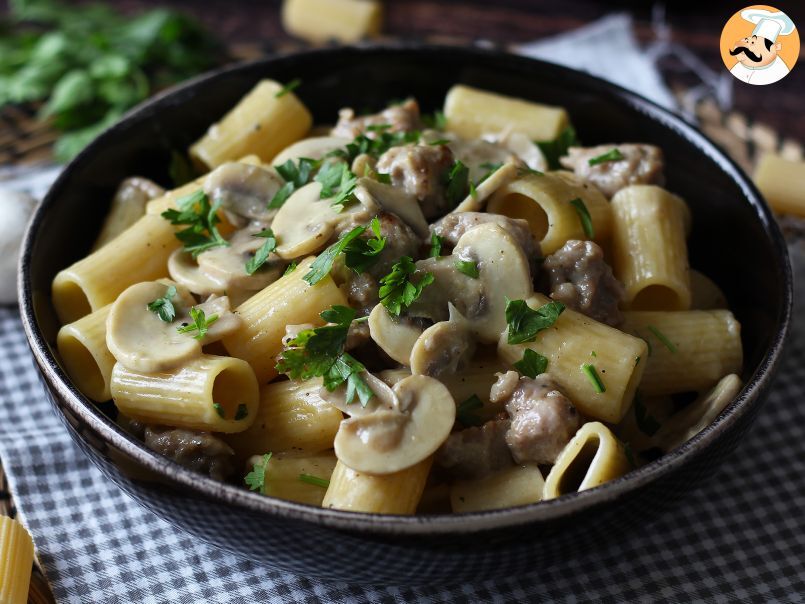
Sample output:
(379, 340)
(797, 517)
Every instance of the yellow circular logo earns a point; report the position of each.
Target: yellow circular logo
(759, 45)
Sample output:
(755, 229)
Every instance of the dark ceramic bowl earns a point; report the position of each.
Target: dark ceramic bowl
(735, 240)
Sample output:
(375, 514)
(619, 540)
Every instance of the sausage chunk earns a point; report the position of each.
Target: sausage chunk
(400, 118)
(420, 171)
(454, 225)
(580, 279)
(543, 420)
(475, 452)
(199, 451)
(641, 165)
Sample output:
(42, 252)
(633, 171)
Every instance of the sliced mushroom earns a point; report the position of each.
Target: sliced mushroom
(243, 189)
(449, 285)
(372, 193)
(185, 271)
(503, 271)
(384, 398)
(227, 265)
(499, 178)
(304, 223)
(443, 348)
(388, 441)
(396, 336)
(363, 164)
(226, 323)
(526, 149)
(313, 148)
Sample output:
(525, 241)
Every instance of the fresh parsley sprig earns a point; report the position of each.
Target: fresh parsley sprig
(201, 323)
(377, 145)
(646, 423)
(524, 323)
(397, 290)
(457, 183)
(662, 338)
(314, 480)
(261, 255)
(360, 254)
(295, 176)
(163, 307)
(324, 262)
(436, 244)
(435, 121)
(289, 87)
(465, 412)
(338, 182)
(592, 375)
(554, 149)
(201, 219)
(532, 364)
(584, 216)
(468, 267)
(611, 155)
(256, 479)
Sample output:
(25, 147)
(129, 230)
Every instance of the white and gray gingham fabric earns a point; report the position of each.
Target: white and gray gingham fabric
(740, 538)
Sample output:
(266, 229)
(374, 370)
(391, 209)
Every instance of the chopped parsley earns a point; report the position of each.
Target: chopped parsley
(436, 243)
(662, 338)
(491, 168)
(382, 177)
(468, 267)
(256, 479)
(457, 183)
(532, 364)
(295, 177)
(261, 255)
(465, 412)
(627, 451)
(360, 254)
(289, 87)
(319, 352)
(524, 323)
(219, 408)
(592, 375)
(611, 155)
(314, 480)
(553, 150)
(338, 183)
(376, 146)
(201, 323)
(397, 291)
(163, 307)
(201, 219)
(324, 262)
(645, 422)
(584, 217)
(290, 268)
(435, 121)
(242, 412)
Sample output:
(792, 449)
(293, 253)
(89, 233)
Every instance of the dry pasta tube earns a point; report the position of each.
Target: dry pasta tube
(264, 122)
(296, 478)
(782, 182)
(471, 113)
(325, 20)
(519, 485)
(291, 416)
(289, 300)
(591, 458)
(704, 293)
(690, 350)
(16, 559)
(138, 254)
(83, 350)
(397, 493)
(544, 200)
(649, 249)
(576, 341)
(218, 394)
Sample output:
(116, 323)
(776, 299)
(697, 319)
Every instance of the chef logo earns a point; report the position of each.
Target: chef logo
(759, 45)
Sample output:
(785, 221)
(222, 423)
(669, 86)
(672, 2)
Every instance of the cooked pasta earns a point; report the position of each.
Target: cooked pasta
(324, 20)
(403, 313)
(16, 560)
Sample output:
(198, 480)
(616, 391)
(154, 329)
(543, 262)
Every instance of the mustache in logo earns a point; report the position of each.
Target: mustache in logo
(752, 56)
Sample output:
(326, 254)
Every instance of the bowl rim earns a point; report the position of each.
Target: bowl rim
(416, 525)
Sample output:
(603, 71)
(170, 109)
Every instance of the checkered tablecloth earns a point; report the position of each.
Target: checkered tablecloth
(739, 538)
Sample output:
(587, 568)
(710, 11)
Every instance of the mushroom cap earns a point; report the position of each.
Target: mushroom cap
(395, 337)
(139, 339)
(314, 148)
(227, 265)
(444, 347)
(384, 398)
(372, 193)
(387, 441)
(243, 189)
(304, 223)
(503, 269)
(184, 270)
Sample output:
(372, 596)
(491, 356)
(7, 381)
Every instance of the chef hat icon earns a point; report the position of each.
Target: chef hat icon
(769, 24)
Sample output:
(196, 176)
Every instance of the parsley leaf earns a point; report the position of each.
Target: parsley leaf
(465, 412)
(163, 307)
(314, 480)
(612, 155)
(436, 243)
(436, 121)
(242, 412)
(467, 267)
(397, 291)
(324, 262)
(524, 323)
(376, 146)
(584, 216)
(592, 375)
(532, 364)
(261, 255)
(290, 268)
(201, 233)
(256, 479)
(201, 323)
(295, 177)
(457, 183)
(219, 409)
(289, 87)
(337, 182)
(645, 422)
(360, 254)
(491, 168)
(553, 150)
(662, 338)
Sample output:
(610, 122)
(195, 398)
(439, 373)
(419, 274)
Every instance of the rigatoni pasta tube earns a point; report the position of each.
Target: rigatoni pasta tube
(83, 350)
(287, 301)
(213, 393)
(690, 350)
(544, 200)
(574, 341)
(140, 253)
(591, 458)
(324, 20)
(518, 485)
(298, 478)
(649, 249)
(397, 493)
(264, 122)
(16, 560)
(782, 182)
(471, 113)
(128, 206)
(291, 416)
